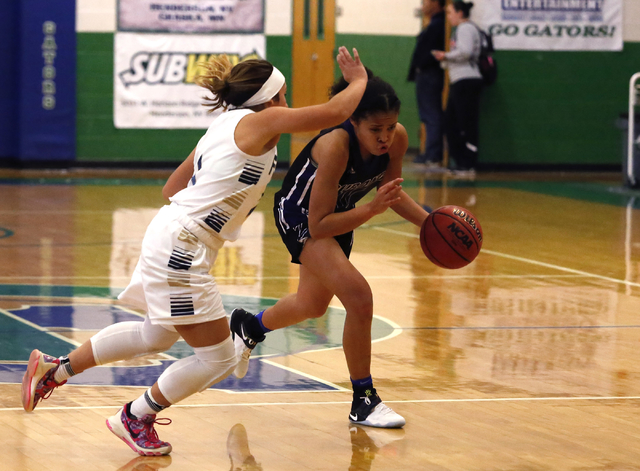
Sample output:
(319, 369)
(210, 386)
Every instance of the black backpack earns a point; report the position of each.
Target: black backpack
(486, 61)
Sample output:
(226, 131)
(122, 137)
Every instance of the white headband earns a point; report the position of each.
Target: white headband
(270, 89)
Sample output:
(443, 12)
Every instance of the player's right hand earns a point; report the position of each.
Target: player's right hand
(351, 67)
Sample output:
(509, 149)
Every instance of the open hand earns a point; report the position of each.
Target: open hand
(387, 195)
(351, 67)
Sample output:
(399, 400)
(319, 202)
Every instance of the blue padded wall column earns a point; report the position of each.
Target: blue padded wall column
(47, 81)
(9, 80)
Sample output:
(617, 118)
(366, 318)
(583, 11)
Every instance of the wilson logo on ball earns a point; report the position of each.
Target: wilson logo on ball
(470, 220)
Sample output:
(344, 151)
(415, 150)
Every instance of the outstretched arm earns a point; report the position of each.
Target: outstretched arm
(410, 210)
(277, 120)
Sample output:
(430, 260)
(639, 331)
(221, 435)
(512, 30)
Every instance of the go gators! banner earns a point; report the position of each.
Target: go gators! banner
(154, 76)
(561, 25)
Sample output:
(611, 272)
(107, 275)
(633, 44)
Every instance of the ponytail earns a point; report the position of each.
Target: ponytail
(464, 7)
(232, 85)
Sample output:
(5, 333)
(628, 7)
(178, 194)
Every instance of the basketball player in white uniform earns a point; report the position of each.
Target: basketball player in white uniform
(212, 192)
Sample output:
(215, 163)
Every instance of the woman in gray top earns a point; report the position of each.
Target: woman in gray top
(463, 105)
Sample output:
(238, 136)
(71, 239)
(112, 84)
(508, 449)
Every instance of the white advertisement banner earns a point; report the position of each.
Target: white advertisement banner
(194, 16)
(553, 25)
(154, 76)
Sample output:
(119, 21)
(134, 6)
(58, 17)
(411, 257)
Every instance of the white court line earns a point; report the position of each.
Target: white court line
(41, 329)
(235, 278)
(53, 333)
(57, 212)
(322, 403)
(292, 370)
(64, 277)
(88, 300)
(396, 330)
(526, 260)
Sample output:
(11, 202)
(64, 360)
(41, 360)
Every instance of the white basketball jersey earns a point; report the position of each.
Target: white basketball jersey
(227, 183)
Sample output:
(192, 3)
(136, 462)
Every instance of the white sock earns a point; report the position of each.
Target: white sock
(64, 371)
(146, 405)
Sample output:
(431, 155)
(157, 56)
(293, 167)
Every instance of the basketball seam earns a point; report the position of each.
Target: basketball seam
(425, 246)
(445, 239)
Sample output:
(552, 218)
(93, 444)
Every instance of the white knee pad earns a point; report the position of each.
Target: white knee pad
(196, 373)
(126, 340)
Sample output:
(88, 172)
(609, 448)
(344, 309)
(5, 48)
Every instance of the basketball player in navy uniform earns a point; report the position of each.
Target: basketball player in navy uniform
(316, 214)
(212, 193)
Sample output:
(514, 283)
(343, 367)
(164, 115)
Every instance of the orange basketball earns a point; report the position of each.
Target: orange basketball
(451, 237)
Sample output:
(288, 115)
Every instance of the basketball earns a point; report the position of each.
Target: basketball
(451, 237)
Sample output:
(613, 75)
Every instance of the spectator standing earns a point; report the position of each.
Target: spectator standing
(425, 70)
(463, 105)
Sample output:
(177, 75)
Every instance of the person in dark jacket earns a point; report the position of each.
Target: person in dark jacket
(426, 71)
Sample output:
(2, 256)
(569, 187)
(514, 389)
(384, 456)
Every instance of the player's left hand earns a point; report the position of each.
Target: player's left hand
(387, 195)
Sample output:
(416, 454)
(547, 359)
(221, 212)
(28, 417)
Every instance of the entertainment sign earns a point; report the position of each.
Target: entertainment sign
(588, 25)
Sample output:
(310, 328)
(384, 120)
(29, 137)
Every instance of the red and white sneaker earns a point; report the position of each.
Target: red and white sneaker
(38, 382)
(139, 433)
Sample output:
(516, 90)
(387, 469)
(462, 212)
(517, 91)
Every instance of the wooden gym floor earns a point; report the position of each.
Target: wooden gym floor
(526, 360)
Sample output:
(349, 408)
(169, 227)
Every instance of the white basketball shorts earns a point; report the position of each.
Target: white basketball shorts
(172, 279)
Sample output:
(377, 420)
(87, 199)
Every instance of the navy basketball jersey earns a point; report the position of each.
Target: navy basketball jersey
(358, 179)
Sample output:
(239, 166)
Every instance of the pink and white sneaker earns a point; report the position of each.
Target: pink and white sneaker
(38, 382)
(139, 433)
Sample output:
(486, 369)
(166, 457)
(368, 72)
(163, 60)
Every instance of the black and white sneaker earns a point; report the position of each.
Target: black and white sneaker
(370, 410)
(243, 343)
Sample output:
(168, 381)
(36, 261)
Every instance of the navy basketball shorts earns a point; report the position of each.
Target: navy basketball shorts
(294, 231)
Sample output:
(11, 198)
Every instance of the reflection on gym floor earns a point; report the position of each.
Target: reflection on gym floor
(524, 360)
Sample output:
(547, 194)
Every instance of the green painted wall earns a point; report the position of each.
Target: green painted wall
(279, 53)
(389, 57)
(558, 107)
(97, 138)
(546, 108)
